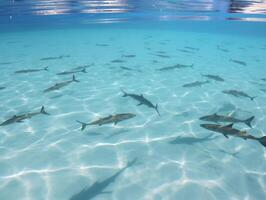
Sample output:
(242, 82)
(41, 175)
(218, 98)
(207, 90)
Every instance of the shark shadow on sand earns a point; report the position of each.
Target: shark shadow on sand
(99, 186)
(192, 140)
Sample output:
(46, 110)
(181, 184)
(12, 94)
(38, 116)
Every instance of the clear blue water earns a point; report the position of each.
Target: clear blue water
(134, 46)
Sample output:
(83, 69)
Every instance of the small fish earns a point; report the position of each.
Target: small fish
(196, 84)
(263, 79)
(58, 86)
(20, 118)
(30, 70)
(239, 62)
(214, 77)
(1, 87)
(229, 130)
(129, 56)
(142, 100)
(111, 119)
(118, 61)
(72, 72)
(55, 58)
(220, 118)
(238, 93)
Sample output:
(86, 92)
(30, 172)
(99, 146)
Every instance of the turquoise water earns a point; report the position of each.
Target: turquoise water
(149, 156)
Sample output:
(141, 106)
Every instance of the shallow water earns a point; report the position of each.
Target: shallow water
(49, 157)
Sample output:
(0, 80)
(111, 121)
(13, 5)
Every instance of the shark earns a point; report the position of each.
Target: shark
(238, 93)
(21, 118)
(142, 100)
(221, 118)
(195, 84)
(227, 130)
(58, 86)
(72, 72)
(108, 120)
(213, 77)
(30, 70)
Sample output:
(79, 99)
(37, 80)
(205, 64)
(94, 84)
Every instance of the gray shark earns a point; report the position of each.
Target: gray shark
(238, 93)
(118, 61)
(177, 66)
(162, 56)
(72, 72)
(98, 187)
(191, 48)
(108, 120)
(21, 118)
(220, 118)
(142, 100)
(55, 58)
(239, 62)
(30, 70)
(214, 77)
(129, 56)
(82, 67)
(58, 86)
(229, 130)
(196, 84)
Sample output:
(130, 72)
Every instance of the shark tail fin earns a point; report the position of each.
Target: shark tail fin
(252, 98)
(84, 70)
(124, 93)
(45, 69)
(262, 140)
(74, 79)
(156, 108)
(191, 65)
(43, 111)
(83, 125)
(249, 120)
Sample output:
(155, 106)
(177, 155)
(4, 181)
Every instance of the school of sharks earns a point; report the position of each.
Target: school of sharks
(215, 122)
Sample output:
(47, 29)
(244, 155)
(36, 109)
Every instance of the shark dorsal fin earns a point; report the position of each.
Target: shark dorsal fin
(14, 116)
(229, 125)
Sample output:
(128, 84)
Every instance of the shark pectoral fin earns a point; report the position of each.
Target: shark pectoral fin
(226, 136)
(139, 104)
(115, 123)
(20, 121)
